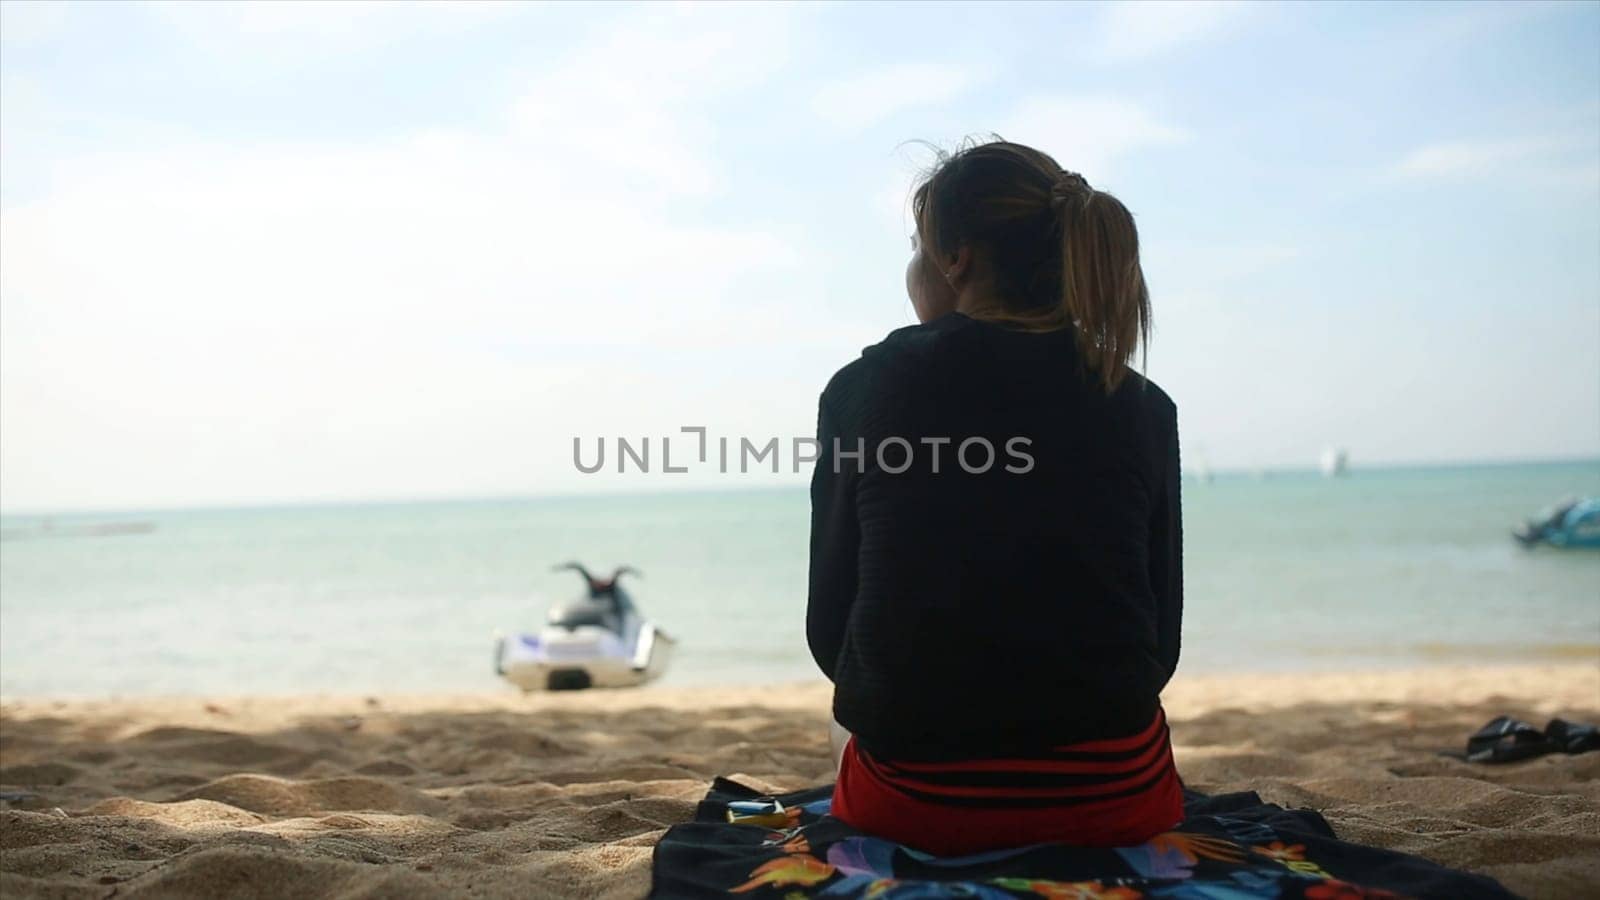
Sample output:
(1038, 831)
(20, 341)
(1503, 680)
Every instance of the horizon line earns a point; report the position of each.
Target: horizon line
(797, 482)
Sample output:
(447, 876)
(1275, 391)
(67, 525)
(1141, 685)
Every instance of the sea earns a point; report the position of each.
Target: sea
(1283, 571)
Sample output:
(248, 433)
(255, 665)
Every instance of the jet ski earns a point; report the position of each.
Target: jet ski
(1573, 523)
(599, 639)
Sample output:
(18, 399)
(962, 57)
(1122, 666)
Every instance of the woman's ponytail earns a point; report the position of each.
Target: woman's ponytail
(1102, 285)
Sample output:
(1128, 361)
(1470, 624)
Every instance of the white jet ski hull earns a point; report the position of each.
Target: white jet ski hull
(563, 659)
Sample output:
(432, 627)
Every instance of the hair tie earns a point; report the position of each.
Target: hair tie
(1069, 185)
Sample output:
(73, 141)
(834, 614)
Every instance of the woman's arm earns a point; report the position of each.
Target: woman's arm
(835, 540)
(1166, 553)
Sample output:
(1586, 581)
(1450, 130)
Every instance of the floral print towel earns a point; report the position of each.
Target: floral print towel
(1230, 847)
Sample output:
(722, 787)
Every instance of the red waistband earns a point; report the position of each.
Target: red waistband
(1131, 791)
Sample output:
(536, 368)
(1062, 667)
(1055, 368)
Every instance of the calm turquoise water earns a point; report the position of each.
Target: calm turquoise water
(1383, 568)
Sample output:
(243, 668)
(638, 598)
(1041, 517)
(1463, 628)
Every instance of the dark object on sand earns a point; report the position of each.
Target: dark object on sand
(1228, 846)
(1572, 737)
(1571, 523)
(1505, 739)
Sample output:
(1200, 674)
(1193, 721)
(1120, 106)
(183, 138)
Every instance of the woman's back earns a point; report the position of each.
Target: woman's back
(997, 572)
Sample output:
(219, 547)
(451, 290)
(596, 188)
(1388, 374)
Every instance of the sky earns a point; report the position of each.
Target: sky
(285, 253)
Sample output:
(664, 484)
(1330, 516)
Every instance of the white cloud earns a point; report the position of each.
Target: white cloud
(1189, 273)
(1454, 159)
(866, 98)
(635, 102)
(1136, 30)
(1084, 133)
(431, 314)
(1563, 163)
(308, 26)
(24, 22)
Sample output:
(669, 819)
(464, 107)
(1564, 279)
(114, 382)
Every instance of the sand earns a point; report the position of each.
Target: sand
(564, 795)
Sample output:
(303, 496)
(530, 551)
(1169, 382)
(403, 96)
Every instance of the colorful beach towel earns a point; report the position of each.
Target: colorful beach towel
(1229, 847)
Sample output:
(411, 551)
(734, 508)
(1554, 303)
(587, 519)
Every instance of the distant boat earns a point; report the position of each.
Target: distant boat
(1201, 468)
(1572, 523)
(1335, 462)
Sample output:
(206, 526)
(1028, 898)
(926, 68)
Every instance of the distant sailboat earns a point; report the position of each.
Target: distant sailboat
(1201, 468)
(1335, 462)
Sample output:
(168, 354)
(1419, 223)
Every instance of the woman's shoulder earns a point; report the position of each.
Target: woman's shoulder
(1151, 405)
(902, 357)
(1151, 396)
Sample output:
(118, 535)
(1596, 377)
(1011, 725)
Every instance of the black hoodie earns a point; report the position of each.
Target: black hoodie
(966, 610)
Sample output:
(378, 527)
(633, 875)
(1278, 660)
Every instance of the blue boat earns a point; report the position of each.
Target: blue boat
(1575, 523)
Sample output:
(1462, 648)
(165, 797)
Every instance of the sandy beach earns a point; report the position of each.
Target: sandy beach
(499, 795)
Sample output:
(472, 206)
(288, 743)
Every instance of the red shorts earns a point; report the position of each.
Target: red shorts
(1103, 793)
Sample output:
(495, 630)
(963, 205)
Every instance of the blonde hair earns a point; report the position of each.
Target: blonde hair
(1062, 254)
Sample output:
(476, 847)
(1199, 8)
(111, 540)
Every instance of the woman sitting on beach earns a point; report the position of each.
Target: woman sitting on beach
(996, 579)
